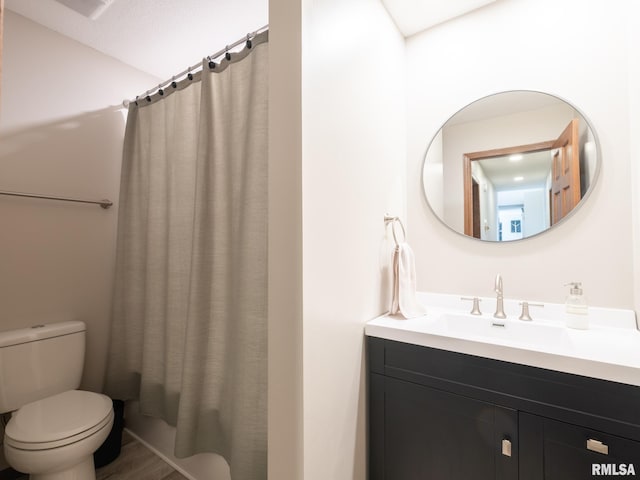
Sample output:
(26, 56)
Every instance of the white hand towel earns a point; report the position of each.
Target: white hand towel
(404, 299)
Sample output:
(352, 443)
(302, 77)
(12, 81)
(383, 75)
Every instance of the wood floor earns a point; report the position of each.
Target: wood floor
(136, 462)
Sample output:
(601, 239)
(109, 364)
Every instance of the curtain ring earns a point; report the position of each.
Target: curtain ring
(227, 55)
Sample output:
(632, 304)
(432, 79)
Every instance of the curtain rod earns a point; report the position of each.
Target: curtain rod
(103, 203)
(194, 68)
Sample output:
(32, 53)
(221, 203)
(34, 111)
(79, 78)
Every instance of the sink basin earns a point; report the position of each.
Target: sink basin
(609, 349)
(505, 331)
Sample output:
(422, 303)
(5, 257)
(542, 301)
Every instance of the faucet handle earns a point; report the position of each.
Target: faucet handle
(475, 309)
(525, 310)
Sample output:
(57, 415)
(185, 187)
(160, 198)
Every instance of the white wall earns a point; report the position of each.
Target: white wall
(353, 161)
(585, 61)
(633, 32)
(536, 211)
(488, 204)
(60, 133)
(285, 369)
(433, 175)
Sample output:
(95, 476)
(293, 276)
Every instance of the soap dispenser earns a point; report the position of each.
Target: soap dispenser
(576, 310)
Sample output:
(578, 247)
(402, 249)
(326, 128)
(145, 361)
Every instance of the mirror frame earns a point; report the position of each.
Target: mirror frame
(469, 158)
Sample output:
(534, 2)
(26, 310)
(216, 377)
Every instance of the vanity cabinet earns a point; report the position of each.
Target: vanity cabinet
(435, 414)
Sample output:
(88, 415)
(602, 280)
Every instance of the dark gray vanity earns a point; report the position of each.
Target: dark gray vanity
(442, 415)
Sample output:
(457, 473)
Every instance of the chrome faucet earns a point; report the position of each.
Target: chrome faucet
(499, 299)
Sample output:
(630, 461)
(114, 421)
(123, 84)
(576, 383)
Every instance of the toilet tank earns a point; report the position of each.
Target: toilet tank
(40, 361)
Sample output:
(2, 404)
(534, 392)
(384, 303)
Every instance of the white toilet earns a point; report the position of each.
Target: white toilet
(54, 428)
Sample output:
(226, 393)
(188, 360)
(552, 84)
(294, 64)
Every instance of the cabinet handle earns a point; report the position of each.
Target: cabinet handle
(596, 446)
(506, 447)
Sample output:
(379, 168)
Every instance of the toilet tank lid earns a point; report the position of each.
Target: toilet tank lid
(39, 332)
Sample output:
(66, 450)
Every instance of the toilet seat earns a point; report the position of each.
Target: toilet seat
(58, 420)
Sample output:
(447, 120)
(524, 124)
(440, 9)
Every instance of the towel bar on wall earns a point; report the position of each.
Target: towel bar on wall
(103, 203)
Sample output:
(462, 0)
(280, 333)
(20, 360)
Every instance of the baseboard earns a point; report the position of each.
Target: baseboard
(160, 438)
(158, 453)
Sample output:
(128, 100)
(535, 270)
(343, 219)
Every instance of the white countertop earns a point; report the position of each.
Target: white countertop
(609, 349)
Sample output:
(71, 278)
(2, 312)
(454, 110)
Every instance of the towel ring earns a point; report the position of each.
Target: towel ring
(394, 221)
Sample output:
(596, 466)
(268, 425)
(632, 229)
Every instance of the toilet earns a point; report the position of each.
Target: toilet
(54, 428)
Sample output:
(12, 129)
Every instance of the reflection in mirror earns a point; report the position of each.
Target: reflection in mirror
(510, 166)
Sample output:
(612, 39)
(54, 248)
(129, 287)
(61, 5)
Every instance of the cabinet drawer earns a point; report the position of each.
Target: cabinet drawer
(575, 453)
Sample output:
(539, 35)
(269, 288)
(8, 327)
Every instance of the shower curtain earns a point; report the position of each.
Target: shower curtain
(188, 334)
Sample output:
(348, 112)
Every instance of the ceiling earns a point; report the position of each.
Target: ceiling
(164, 37)
(413, 16)
(159, 37)
(533, 167)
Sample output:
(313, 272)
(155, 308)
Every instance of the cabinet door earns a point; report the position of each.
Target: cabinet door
(575, 453)
(431, 434)
(554, 450)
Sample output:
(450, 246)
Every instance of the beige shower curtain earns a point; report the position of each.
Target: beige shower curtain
(189, 315)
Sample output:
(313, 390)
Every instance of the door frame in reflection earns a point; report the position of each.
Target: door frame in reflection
(468, 158)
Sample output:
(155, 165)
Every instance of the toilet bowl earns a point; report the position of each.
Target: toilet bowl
(54, 438)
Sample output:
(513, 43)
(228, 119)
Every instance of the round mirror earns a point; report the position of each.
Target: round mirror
(510, 166)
